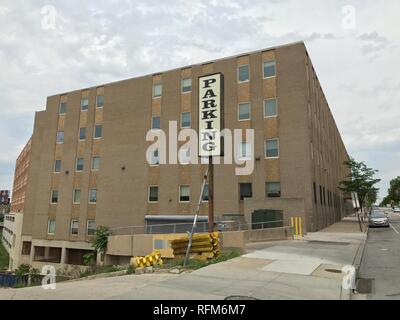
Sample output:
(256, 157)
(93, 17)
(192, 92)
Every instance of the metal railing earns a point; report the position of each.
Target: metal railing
(200, 227)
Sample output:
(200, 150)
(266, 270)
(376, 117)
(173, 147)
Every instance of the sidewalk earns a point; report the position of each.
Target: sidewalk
(293, 269)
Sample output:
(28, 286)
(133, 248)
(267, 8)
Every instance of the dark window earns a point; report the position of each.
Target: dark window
(320, 195)
(324, 193)
(245, 190)
(269, 69)
(63, 108)
(26, 248)
(82, 133)
(60, 136)
(244, 73)
(74, 227)
(186, 120)
(271, 148)
(155, 123)
(98, 131)
(91, 227)
(92, 195)
(79, 164)
(186, 85)
(153, 193)
(100, 101)
(273, 189)
(84, 104)
(262, 219)
(184, 193)
(57, 166)
(54, 196)
(205, 193)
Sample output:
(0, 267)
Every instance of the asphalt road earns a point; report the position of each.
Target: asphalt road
(381, 260)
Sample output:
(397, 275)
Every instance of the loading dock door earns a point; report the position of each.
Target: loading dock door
(266, 218)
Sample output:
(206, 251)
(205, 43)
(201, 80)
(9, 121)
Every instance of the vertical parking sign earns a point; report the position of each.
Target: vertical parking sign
(210, 114)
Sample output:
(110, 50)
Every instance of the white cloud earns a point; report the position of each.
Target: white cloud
(101, 41)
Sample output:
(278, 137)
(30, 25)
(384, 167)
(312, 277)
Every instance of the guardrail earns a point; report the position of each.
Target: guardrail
(200, 227)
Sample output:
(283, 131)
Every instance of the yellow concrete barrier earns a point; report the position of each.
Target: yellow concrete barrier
(204, 246)
(297, 225)
(150, 260)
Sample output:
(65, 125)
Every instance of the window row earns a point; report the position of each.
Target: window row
(97, 134)
(326, 197)
(272, 190)
(271, 149)
(244, 113)
(84, 104)
(74, 227)
(243, 75)
(92, 199)
(79, 164)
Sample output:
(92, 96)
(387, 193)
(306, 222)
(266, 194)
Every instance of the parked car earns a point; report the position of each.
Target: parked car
(396, 209)
(378, 219)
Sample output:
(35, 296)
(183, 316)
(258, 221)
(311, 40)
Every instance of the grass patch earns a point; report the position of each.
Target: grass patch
(197, 264)
(4, 258)
(100, 269)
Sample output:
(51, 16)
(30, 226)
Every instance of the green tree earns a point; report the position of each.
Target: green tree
(393, 197)
(361, 180)
(100, 239)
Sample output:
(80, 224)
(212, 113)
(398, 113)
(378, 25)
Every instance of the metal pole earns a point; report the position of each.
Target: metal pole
(195, 217)
(210, 195)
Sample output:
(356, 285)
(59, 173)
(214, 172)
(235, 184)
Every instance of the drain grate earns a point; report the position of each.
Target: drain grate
(333, 270)
(365, 286)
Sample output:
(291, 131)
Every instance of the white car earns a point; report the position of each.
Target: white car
(396, 209)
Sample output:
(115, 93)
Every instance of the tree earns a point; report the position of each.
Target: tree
(361, 180)
(100, 239)
(393, 197)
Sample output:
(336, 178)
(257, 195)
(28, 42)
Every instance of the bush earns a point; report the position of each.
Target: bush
(130, 270)
(89, 259)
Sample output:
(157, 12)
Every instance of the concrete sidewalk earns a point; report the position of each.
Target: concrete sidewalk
(294, 269)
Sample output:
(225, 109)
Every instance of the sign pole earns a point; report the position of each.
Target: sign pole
(210, 194)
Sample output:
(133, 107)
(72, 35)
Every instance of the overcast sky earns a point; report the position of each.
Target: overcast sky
(48, 47)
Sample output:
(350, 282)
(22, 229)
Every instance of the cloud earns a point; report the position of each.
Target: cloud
(95, 42)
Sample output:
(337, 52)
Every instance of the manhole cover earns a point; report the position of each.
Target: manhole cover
(240, 298)
(365, 286)
(333, 270)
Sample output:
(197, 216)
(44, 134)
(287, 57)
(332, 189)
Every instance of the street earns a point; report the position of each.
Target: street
(380, 265)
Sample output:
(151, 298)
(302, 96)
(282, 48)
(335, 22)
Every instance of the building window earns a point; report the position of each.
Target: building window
(82, 133)
(155, 122)
(320, 195)
(63, 108)
(51, 227)
(269, 69)
(79, 164)
(74, 227)
(100, 101)
(184, 193)
(184, 156)
(157, 90)
(84, 104)
(98, 131)
(60, 137)
(153, 194)
(26, 248)
(186, 120)
(92, 195)
(204, 197)
(244, 111)
(244, 151)
(186, 85)
(324, 193)
(245, 190)
(57, 166)
(155, 158)
(54, 196)
(244, 73)
(77, 196)
(273, 189)
(95, 163)
(272, 148)
(270, 108)
(91, 227)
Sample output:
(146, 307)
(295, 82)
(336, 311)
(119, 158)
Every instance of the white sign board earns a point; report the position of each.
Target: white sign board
(210, 114)
(354, 198)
